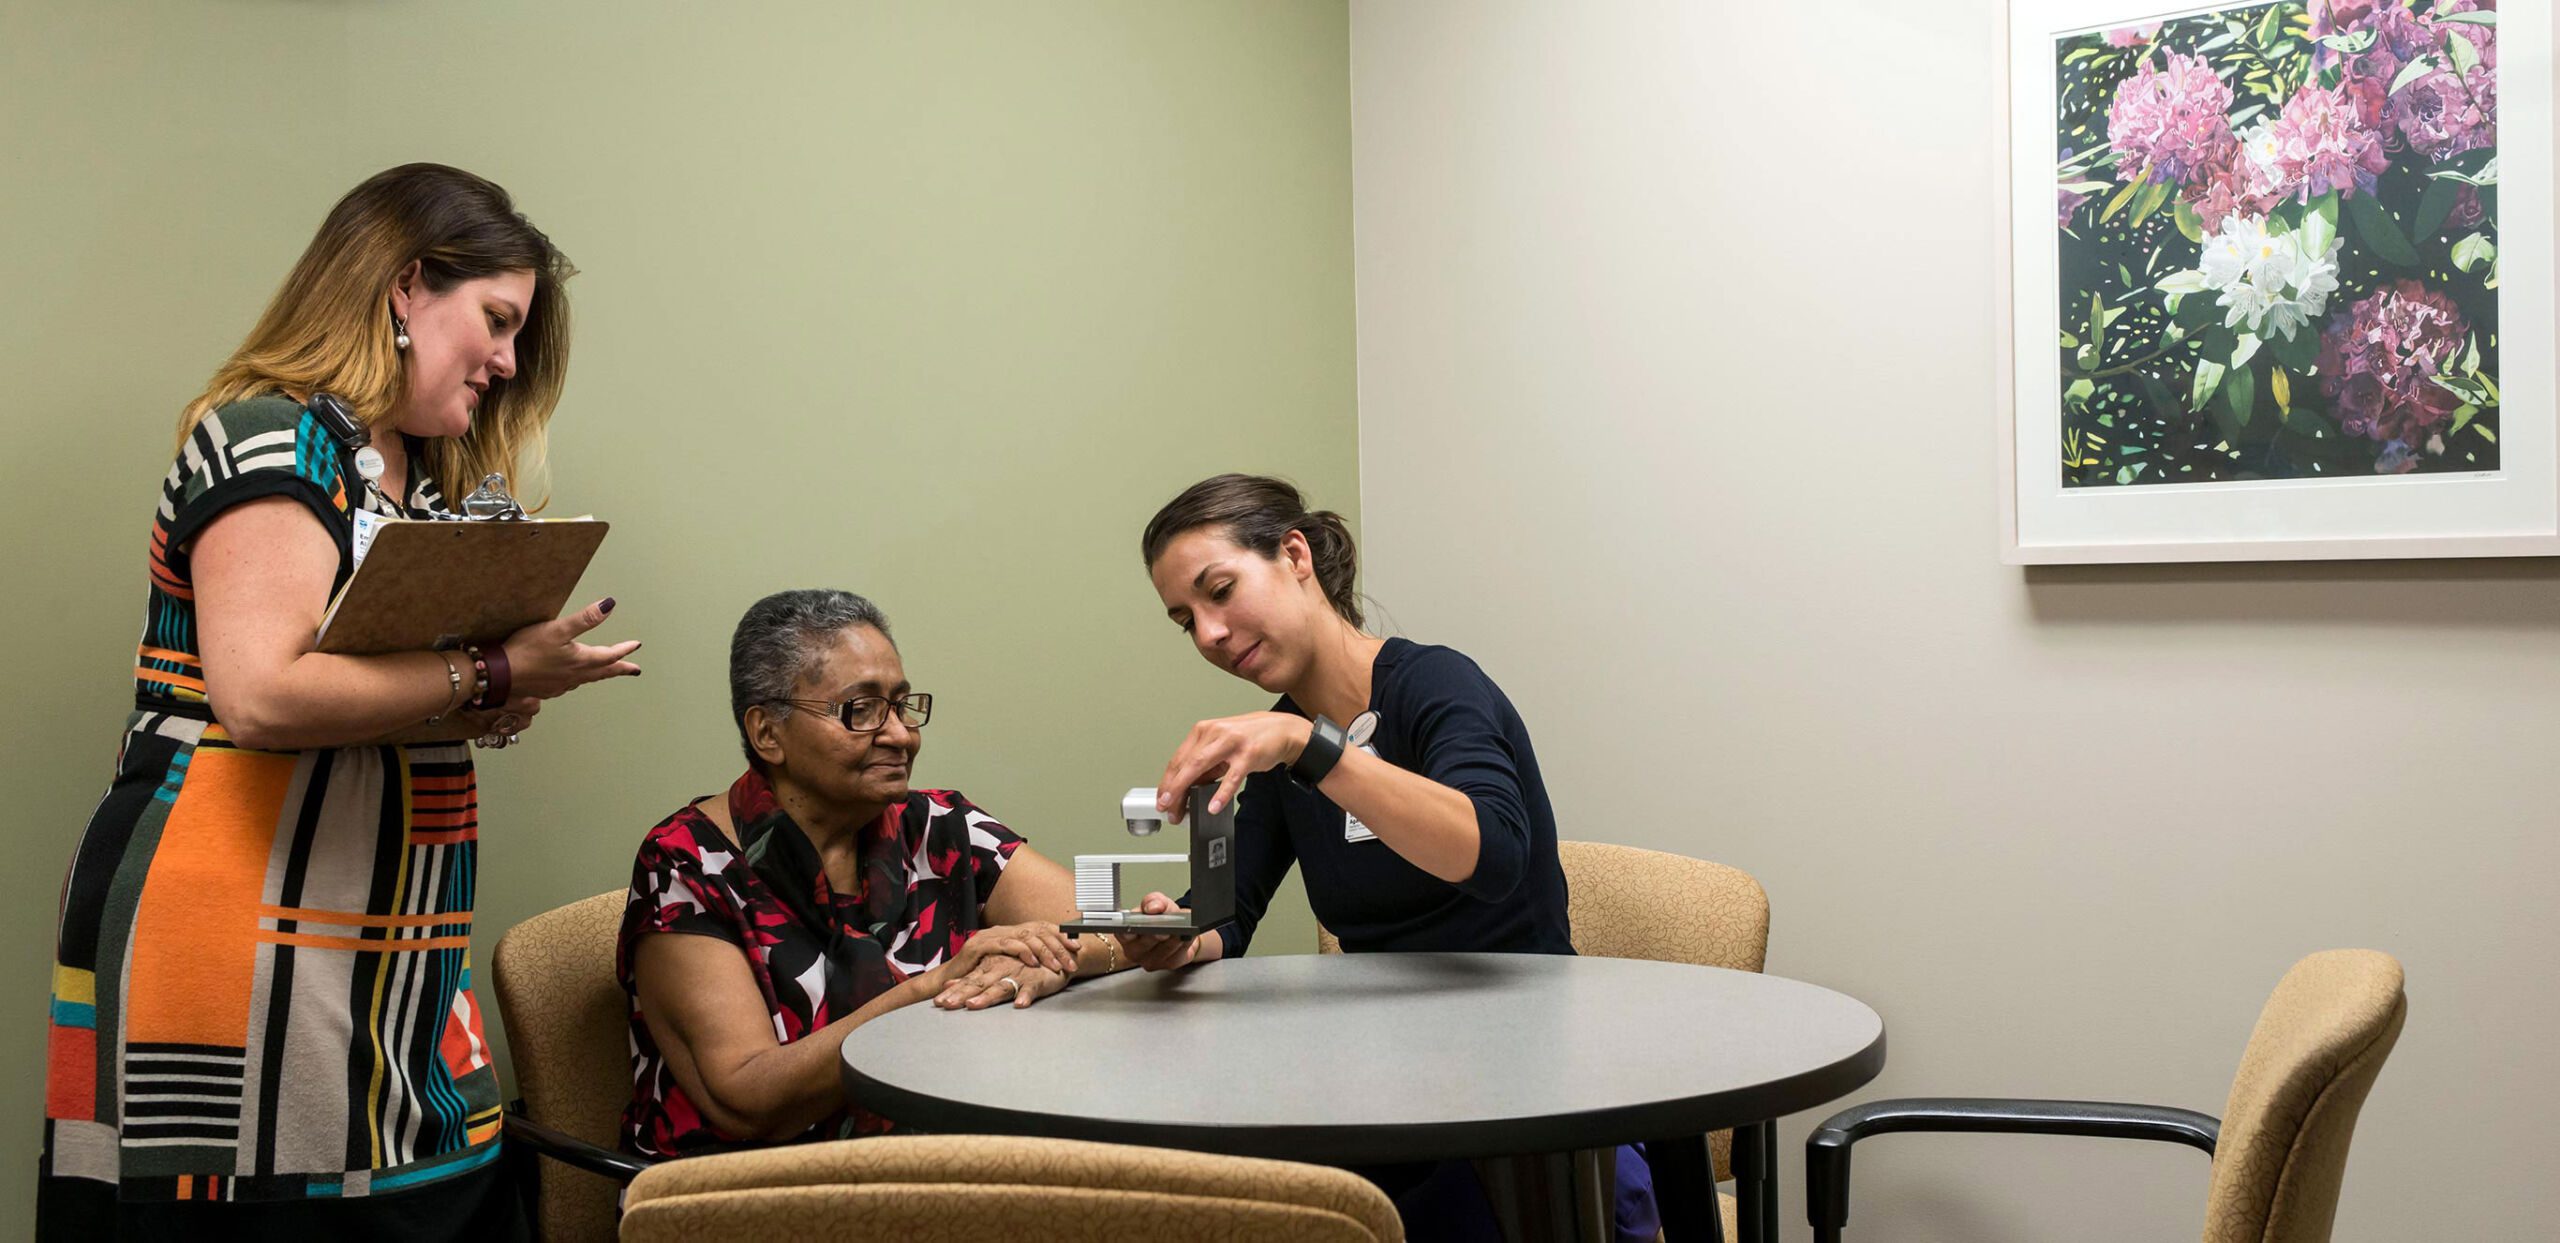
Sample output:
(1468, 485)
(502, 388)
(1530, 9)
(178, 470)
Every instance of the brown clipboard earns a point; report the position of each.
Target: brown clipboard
(434, 584)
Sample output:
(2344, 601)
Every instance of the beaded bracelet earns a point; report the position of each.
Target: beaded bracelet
(479, 676)
(453, 674)
(493, 693)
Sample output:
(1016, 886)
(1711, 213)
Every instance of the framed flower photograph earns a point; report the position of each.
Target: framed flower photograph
(2278, 281)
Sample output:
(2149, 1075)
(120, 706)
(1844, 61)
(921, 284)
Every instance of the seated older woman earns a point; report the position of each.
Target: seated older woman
(819, 893)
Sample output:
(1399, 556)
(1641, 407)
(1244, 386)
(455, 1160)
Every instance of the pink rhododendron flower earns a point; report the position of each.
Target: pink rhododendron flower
(2441, 115)
(2376, 360)
(2318, 145)
(2172, 122)
(2065, 203)
(2132, 36)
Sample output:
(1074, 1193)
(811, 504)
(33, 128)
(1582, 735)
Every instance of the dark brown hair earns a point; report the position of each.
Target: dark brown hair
(1258, 513)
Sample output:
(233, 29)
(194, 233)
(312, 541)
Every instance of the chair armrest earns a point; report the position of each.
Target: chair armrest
(1826, 1151)
(571, 1151)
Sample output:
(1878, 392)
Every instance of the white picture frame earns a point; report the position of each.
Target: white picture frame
(2512, 509)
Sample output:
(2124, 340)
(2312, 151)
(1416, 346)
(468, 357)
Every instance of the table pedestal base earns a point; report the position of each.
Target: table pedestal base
(1554, 1197)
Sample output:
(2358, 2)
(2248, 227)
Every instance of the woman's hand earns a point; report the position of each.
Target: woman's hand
(511, 718)
(545, 660)
(1036, 944)
(998, 979)
(1159, 952)
(1227, 751)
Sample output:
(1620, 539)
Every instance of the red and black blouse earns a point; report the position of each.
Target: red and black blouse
(927, 864)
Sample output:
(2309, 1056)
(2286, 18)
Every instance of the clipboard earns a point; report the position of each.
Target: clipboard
(431, 585)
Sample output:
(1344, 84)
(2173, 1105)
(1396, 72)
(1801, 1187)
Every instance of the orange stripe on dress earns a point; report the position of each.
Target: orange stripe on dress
(359, 919)
(362, 945)
(145, 673)
(194, 947)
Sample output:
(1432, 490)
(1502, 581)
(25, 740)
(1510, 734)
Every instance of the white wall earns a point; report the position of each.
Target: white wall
(1675, 335)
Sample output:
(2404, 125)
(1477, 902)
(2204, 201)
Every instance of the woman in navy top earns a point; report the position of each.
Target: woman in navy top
(1431, 831)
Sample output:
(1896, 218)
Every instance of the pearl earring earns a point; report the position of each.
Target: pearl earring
(400, 333)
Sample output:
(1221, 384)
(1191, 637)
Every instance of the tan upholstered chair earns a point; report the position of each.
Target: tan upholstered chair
(927, 1189)
(2280, 1148)
(569, 1035)
(1625, 902)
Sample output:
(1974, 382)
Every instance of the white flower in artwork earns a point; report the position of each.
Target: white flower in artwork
(2266, 282)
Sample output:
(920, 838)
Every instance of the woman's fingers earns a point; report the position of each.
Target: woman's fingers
(585, 619)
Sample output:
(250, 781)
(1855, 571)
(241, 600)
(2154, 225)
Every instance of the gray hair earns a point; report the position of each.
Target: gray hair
(780, 639)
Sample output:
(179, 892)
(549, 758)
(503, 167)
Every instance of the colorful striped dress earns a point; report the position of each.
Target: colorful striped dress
(262, 980)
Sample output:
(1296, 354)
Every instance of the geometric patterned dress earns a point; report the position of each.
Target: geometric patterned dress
(262, 975)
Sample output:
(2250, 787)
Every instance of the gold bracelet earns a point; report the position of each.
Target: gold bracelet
(453, 674)
(1111, 952)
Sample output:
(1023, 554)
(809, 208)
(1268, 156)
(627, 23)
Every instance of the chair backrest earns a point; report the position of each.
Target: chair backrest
(1627, 902)
(929, 1188)
(569, 1035)
(2318, 1046)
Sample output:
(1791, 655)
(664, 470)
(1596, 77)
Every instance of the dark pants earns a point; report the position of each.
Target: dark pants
(1444, 1202)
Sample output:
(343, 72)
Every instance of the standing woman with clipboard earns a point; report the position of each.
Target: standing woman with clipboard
(262, 1021)
(1395, 776)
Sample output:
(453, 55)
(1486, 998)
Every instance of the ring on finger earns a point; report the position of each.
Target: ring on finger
(1017, 987)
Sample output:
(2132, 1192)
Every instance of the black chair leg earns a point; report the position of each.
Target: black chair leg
(1768, 1181)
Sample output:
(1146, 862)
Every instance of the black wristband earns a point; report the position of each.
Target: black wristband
(1323, 750)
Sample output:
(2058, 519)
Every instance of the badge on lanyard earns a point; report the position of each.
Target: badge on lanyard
(368, 523)
(1362, 728)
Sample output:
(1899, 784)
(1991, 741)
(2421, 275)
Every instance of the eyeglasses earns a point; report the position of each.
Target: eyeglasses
(866, 714)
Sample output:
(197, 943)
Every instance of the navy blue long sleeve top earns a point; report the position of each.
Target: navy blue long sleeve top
(1441, 717)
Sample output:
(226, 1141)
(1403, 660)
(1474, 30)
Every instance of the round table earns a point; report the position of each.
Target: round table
(1351, 1059)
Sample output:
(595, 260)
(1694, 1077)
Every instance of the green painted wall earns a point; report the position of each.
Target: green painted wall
(934, 302)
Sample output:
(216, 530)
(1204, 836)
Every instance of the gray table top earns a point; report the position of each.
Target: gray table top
(1376, 1057)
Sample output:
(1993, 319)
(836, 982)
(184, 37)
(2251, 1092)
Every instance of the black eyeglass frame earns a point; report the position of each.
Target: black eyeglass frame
(917, 705)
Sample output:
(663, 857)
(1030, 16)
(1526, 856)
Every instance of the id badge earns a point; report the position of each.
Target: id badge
(1362, 728)
(368, 524)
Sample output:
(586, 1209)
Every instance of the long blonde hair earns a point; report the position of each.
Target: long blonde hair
(329, 328)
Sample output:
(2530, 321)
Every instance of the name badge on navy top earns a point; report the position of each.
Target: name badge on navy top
(1362, 728)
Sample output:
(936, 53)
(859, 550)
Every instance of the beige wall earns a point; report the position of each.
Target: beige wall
(1675, 382)
(935, 302)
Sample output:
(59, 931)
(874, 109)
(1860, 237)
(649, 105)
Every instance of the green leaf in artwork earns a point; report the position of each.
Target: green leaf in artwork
(2375, 227)
(2079, 393)
(2300, 352)
(2320, 224)
(2240, 391)
(2208, 378)
(2281, 388)
(2418, 67)
(2097, 325)
(2189, 225)
(2306, 421)
(2462, 416)
(2243, 348)
(2433, 206)
(2268, 25)
(2487, 176)
(2470, 251)
(2125, 276)
(2070, 342)
(2117, 203)
(2087, 357)
(2465, 57)
(2485, 430)
(2349, 43)
(2469, 390)
(2485, 17)
(2470, 360)
(2181, 283)
(2149, 201)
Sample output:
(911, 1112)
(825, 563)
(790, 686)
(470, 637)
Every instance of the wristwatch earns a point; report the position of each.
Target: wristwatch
(1325, 741)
